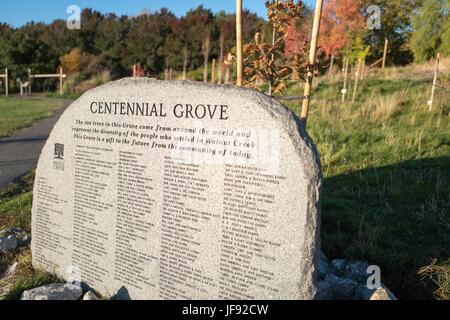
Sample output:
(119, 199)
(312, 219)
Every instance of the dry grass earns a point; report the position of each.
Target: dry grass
(25, 277)
(388, 106)
(440, 276)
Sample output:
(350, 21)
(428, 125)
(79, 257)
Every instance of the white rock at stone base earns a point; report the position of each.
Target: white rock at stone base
(356, 270)
(343, 279)
(383, 293)
(121, 294)
(338, 266)
(90, 296)
(362, 292)
(323, 267)
(324, 291)
(22, 237)
(11, 270)
(343, 288)
(25, 240)
(55, 291)
(8, 244)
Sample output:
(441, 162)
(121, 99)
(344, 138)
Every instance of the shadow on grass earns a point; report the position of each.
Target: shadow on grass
(397, 217)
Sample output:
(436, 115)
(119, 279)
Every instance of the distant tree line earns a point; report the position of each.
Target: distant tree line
(158, 41)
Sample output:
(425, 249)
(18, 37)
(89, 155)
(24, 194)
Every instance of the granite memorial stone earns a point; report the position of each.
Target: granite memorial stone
(179, 190)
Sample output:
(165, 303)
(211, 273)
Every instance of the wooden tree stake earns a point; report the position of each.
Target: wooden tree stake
(344, 90)
(433, 88)
(363, 69)
(386, 43)
(213, 71)
(312, 59)
(61, 81)
(166, 74)
(357, 75)
(185, 62)
(6, 81)
(239, 53)
(29, 79)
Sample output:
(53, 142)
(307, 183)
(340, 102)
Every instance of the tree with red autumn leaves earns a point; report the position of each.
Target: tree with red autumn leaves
(340, 19)
(299, 31)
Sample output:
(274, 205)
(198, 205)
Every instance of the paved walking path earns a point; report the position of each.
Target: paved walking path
(19, 153)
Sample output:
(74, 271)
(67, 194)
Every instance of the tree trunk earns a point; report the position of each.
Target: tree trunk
(221, 57)
(316, 76)
(206, 49)
(166, 70)
(363, 69)
(227, 75)
(274, 34)
(344, 90)
(205, 71)
(330, 69)
(213, 71)
(185, 62)
(355, 89)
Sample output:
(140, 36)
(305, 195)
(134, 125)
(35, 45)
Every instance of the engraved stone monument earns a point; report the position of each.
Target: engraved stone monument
(179, 190)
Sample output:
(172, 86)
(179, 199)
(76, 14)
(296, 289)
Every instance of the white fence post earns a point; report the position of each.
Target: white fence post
(433, 88)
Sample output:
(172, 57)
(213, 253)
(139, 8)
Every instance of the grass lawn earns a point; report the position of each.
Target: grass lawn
(15, 210)
(386, 195)
(16, 200)
(16, 113)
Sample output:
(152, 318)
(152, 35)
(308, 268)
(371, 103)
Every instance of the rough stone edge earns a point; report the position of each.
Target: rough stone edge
(307, 152)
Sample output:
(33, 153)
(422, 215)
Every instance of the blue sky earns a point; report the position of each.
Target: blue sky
(18, 12)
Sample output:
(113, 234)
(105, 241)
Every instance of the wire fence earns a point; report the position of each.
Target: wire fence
(290, 98)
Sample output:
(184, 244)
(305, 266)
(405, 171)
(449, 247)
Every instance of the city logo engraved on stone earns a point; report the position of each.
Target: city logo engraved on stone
(58, 162)
(59, 151)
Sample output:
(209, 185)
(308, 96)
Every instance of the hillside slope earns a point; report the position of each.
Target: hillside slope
(386, 160)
